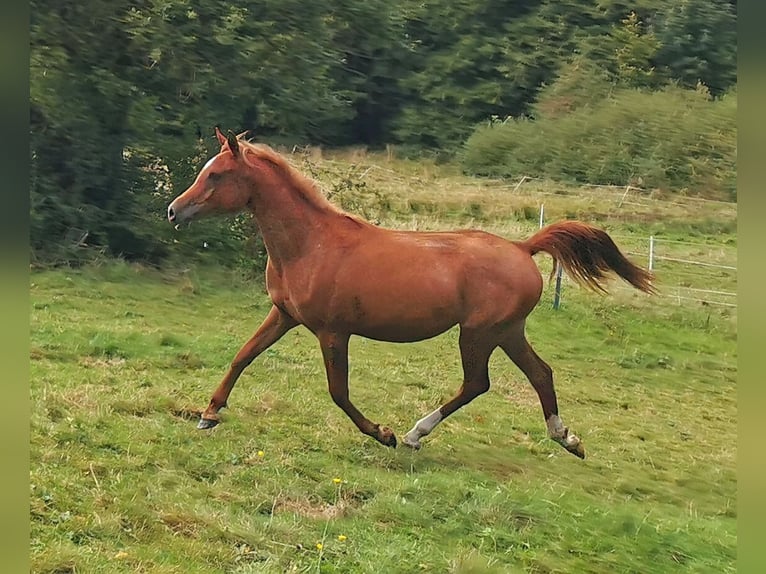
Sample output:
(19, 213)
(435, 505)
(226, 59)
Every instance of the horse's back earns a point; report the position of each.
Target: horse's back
(438, 279)
(501, 281)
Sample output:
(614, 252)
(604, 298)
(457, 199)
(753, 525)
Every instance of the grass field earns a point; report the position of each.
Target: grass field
(123, 358)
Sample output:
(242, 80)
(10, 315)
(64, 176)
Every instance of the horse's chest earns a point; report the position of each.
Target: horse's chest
(295, 294)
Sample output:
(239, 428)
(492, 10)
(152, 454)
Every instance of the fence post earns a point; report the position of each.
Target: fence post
(542, 211)
(518, 185)
(627, 189)
(557, 293)
(651, 252)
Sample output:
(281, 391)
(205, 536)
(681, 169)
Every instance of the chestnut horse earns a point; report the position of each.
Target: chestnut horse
(339, 275)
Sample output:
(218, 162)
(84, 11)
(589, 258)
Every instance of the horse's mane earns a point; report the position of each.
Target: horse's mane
(265, 153)
(308, 188)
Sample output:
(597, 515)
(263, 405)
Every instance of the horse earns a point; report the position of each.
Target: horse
(339, 275)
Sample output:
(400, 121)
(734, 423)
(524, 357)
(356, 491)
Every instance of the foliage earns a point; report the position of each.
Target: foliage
(672, 139)
(697, 43)
(124, 95)
(634, 53)
(472, 60)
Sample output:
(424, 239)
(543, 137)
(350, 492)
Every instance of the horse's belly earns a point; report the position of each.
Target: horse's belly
(402, 331)
(404, 319)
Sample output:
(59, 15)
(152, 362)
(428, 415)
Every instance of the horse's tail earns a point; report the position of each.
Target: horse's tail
(586, 253)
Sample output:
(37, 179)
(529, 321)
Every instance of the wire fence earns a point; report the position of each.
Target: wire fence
(628, 194)
(689, 272)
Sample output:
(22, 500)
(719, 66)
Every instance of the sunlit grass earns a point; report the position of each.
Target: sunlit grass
(124, 358)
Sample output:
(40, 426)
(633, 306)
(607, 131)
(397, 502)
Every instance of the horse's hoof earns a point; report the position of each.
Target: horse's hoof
(578, 450)
(574, 445)
(386, 437)
(414, 444)
(207, 423)
(571, 443)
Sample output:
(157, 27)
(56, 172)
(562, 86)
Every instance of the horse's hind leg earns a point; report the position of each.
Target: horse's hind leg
(475, 350)
(540, 375)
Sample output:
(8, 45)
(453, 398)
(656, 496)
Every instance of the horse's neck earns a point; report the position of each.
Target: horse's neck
(291, 220)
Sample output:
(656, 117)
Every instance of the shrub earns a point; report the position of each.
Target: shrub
(674, 139)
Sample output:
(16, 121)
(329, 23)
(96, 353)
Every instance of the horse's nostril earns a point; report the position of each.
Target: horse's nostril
(171, 214)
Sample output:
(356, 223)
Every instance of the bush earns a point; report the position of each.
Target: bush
(674, 139)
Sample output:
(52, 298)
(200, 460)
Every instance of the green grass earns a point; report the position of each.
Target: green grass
(124, 358)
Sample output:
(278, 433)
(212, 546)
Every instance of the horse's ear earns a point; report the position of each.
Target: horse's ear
(220, 136)
(233, 143)
(244, 134)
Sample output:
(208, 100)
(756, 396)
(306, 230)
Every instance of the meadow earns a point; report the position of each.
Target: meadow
(124, 357)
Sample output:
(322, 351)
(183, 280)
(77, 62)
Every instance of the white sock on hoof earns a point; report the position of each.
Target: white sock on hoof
(423, 427)
(558, 432)
(556, 428)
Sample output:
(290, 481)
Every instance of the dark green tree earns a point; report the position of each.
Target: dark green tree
(373, 58)
(698, 41)
(124, 94)
(81, 95)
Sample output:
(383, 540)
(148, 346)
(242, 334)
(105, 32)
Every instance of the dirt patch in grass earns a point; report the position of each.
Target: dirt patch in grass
(92, 361)
(187, 413)
(182, 523)
(313, 508)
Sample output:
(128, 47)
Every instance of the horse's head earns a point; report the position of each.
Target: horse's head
(218, 187)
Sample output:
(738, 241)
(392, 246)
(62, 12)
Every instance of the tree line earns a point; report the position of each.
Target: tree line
(124, 94)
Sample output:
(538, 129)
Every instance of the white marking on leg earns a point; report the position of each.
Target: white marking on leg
(423, 427)
(558, 432)
(556, 428)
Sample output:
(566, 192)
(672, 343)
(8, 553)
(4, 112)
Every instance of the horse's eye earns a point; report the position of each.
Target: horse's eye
(214, 177)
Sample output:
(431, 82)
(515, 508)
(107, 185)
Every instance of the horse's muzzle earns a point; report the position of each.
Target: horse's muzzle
(178, 211)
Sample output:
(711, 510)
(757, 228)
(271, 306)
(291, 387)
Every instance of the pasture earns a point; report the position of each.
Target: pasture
(123, 359)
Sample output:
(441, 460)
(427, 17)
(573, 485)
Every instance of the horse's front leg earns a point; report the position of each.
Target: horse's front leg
(335, 353)
(276, 324)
